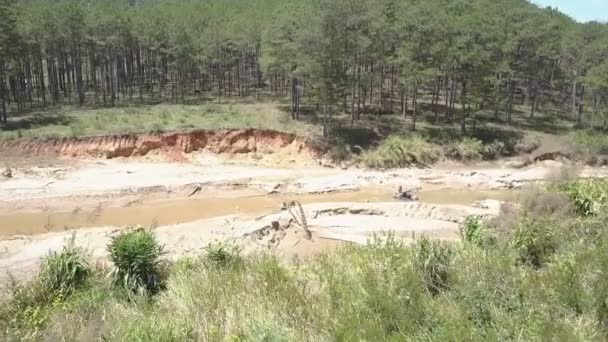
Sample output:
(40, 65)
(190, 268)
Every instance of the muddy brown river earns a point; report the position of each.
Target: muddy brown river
(160, 213)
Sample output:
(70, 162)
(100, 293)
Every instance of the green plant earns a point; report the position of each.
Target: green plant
(433, 261)
(76, 130)
(222, 253)
(534, 240)
(158, 128)
(472, 230)
(590, 141)
(589, 196)
(494, 150)
(64, 272)
(136, 256)
(467, 149)
(397, 151)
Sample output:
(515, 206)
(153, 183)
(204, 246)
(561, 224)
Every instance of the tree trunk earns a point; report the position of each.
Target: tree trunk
(380, 95)
(574, 91)
(533, 105)
(463, 117)
(293, 97)
(403, 103)
(3, 115)
(581, 109)
(415, 105)
(326, 122)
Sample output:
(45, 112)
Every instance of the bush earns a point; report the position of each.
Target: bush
(66, 271)
(433, 260)
(467, 149)
(472, 230)
(534, 240)
(136, 256)
(397, 151)
(590, 141)
(222, 254)
(494, 150)
(589, 196)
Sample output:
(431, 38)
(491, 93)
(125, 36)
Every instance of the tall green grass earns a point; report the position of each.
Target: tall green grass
(397, 151)
(590, 141)
(79, 122)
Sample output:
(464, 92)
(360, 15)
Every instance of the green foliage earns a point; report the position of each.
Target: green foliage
(590, 141)
(222, 253)
(535, 240)
(397, 151)
(136, 256)
(433, 260)
(494, 150)
(472, 230)
(64, 272)
(78, 122)
(472, 149)
(467, 149)
(589, 196)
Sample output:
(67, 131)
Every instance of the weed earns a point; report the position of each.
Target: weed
(64, 272)
(589, 196)
(433, 260)
(397, 151)
(136, 256)
(494, 150)
(467, 149)
(590, 141)
(472, 230)
(534, 240)
(221, 254)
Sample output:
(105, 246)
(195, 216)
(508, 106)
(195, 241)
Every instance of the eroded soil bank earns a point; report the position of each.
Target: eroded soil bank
(170, 144)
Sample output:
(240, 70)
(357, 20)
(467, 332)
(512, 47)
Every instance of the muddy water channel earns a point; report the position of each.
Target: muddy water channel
(161, 213)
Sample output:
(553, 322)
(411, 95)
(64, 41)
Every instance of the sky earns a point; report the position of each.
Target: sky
(581, 10)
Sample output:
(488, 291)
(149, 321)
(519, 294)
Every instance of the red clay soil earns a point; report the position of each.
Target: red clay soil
(222, 141)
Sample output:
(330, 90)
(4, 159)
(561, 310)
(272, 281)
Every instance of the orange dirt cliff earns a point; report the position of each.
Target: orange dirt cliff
(221, 141)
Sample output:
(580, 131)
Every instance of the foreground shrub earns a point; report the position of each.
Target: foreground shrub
(62, 273)
(397, 151)
(433, 260)
(589, 196)
(534, 240)
(136, 256)
(31, 305)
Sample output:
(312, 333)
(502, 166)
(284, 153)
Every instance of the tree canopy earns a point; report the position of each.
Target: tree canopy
(355, 56)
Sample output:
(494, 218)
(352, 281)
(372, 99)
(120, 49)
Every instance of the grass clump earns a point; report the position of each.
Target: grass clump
(433, 260)
(590, 141)
(64, 272)
(397, 151)
(31, 305)
(472, 230)
(589, 196)
(467, 149)
(222, 254)
(534, 240)
(136, 255)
